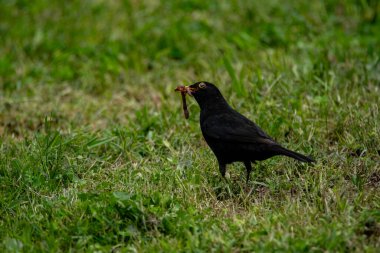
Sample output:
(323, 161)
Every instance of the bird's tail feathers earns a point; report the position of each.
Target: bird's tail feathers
(295, 155)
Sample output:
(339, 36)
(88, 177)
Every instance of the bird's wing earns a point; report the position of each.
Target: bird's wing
(234, 127)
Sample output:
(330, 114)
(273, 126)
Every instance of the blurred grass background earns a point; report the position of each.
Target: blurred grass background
(95, 154)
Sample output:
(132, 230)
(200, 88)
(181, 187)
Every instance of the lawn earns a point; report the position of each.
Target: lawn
(96, 156)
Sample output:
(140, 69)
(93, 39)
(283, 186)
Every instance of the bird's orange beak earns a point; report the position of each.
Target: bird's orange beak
(185, 89)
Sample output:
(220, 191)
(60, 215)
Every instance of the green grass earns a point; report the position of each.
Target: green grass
(95, 154)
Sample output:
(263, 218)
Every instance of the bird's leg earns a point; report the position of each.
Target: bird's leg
(248, 166)
(222, 169)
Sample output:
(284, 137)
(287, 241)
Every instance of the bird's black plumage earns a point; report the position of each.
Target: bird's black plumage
(231, 136)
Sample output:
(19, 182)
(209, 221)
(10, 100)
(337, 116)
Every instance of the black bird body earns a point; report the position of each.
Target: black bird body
(231, 136)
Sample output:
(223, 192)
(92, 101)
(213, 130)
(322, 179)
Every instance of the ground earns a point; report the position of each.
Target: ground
(95, 154)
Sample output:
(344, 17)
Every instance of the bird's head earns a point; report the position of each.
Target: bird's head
(205, 93)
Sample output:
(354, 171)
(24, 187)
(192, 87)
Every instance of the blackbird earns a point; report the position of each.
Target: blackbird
(231, 136)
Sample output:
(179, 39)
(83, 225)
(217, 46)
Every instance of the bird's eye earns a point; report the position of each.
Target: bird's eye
(202, 85)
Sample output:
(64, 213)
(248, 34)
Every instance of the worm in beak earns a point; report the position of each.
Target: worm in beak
(184, 90)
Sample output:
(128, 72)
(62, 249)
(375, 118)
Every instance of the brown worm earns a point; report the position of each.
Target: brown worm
(184, 105)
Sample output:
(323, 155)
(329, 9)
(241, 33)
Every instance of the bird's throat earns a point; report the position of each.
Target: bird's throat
(213, 105)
